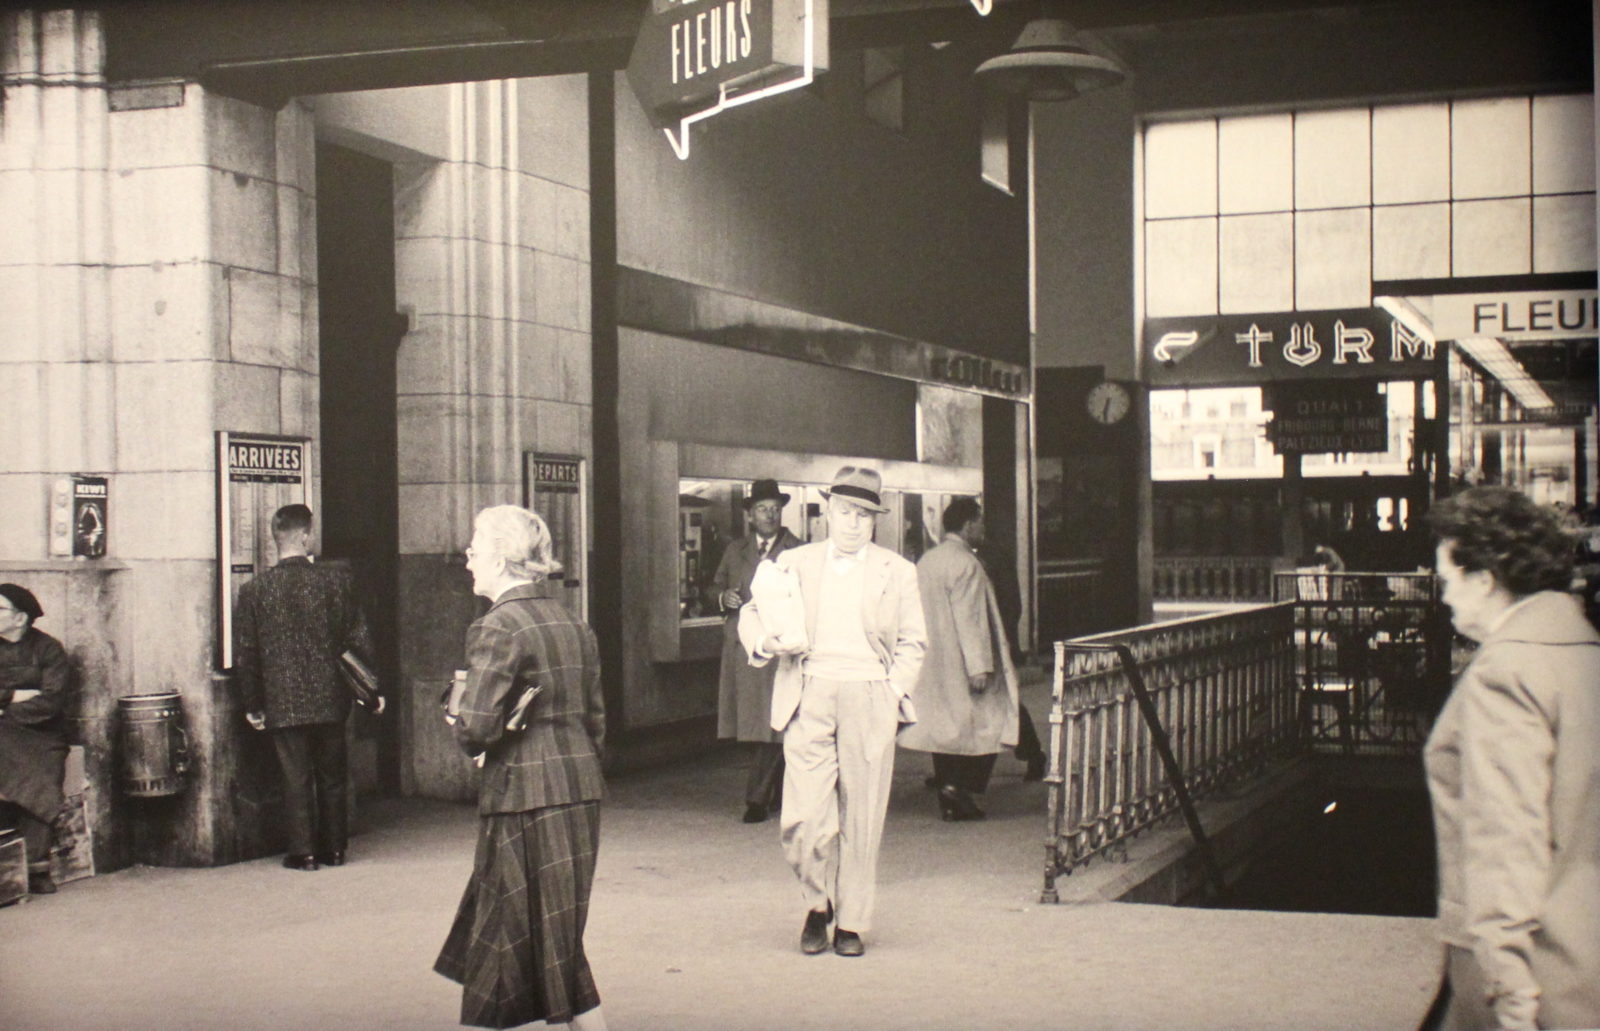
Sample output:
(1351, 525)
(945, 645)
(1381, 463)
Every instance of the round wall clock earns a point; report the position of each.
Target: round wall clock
(1109, 402)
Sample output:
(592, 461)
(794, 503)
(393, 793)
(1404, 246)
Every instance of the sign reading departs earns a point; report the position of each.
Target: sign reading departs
(1326, 417)
(693, 58)
(1240, 350)
(1536, 315)
(556, 487)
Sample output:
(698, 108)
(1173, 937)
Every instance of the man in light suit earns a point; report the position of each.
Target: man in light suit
(839, 699)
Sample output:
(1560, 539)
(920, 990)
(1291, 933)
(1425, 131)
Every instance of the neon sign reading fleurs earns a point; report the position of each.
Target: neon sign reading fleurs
(1347, 343)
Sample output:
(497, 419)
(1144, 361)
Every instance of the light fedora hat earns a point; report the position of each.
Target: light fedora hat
(863, 486)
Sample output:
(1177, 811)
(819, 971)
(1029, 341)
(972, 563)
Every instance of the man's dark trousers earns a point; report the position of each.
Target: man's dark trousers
(316, 787)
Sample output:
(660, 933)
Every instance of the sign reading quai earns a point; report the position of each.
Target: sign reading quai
(1332, 417)
(693, 58)
(1239, 350)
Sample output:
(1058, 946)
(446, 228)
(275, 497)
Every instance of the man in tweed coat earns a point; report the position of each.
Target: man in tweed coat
(291, 623)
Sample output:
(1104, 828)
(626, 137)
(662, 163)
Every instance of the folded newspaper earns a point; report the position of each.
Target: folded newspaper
(776, 593)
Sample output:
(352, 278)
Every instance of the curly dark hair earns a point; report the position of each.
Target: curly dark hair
(1509, 534)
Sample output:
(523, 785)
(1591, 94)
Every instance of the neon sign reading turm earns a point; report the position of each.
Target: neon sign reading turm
(1237, 350)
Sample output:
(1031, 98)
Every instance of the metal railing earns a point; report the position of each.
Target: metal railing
(1221, 688)
(1372, 657)
(1226, 578)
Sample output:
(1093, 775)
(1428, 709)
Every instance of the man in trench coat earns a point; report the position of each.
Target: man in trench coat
(966, 697)
(744, 693)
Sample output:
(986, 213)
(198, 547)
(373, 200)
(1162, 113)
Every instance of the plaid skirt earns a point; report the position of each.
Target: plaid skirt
(516, 946)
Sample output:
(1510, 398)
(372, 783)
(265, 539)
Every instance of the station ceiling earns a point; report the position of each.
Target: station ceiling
(266, 51)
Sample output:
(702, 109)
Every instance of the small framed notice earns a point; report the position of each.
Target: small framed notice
(557, 487)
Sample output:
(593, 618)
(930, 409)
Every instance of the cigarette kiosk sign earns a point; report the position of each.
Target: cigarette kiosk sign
(694, 58)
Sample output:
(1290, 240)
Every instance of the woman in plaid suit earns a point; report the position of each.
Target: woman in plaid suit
(516, 946)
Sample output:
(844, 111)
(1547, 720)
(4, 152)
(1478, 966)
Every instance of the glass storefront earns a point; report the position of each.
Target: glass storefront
(711, 515)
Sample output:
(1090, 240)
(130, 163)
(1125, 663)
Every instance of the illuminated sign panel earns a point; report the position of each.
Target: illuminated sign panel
(1530, 315)
(694, 58)
(1240, 350)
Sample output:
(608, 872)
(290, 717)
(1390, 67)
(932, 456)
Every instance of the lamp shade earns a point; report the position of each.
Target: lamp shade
(1045, 63)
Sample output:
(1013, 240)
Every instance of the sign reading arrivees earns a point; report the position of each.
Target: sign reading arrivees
(256, 474)
(1238, 350)
(695, 57)
(1326, 417)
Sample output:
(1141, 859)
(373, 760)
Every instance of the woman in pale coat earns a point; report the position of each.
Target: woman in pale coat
(1513, 767)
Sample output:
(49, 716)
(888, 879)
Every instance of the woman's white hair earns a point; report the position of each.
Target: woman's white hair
(521, 538)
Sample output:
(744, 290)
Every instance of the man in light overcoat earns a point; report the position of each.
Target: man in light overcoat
(744, 693)
(839, 697)
(966, 697)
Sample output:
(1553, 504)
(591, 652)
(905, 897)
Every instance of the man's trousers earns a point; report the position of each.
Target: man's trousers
(315, 787)
(838, 752)
(766, 774)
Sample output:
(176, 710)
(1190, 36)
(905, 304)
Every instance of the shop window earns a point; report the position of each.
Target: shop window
(710, 516)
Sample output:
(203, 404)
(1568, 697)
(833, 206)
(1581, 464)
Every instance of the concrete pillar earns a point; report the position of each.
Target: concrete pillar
(157, 261)
(492, 267)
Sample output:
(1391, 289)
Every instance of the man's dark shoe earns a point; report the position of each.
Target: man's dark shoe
(334, 858)
(1035, 769)
(299, 861)
(814, 936)
(847, 943)
(754, 813)
(41, 883)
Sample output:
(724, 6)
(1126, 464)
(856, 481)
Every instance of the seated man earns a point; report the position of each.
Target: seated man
(34, 679)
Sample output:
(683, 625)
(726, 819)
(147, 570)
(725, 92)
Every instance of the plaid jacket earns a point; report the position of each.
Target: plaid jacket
(289, 627)
(555, 759)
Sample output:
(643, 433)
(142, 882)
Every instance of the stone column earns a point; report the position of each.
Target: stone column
(157, 265)
(492, 262)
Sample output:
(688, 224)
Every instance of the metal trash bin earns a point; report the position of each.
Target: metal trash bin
(155, 747)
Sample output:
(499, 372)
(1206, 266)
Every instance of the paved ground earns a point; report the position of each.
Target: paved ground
(694, 926)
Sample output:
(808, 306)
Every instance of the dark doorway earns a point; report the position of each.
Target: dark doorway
(360, 518)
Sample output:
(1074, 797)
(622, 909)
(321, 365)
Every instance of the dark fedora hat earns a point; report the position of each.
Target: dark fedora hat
(765, 490)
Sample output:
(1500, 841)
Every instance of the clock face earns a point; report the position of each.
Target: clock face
(1109, 402)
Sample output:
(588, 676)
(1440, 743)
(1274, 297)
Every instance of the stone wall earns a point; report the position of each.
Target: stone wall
(492, 270)
(157, 268)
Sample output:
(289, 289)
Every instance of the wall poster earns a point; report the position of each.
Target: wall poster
(257, 474)
(557, 487)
